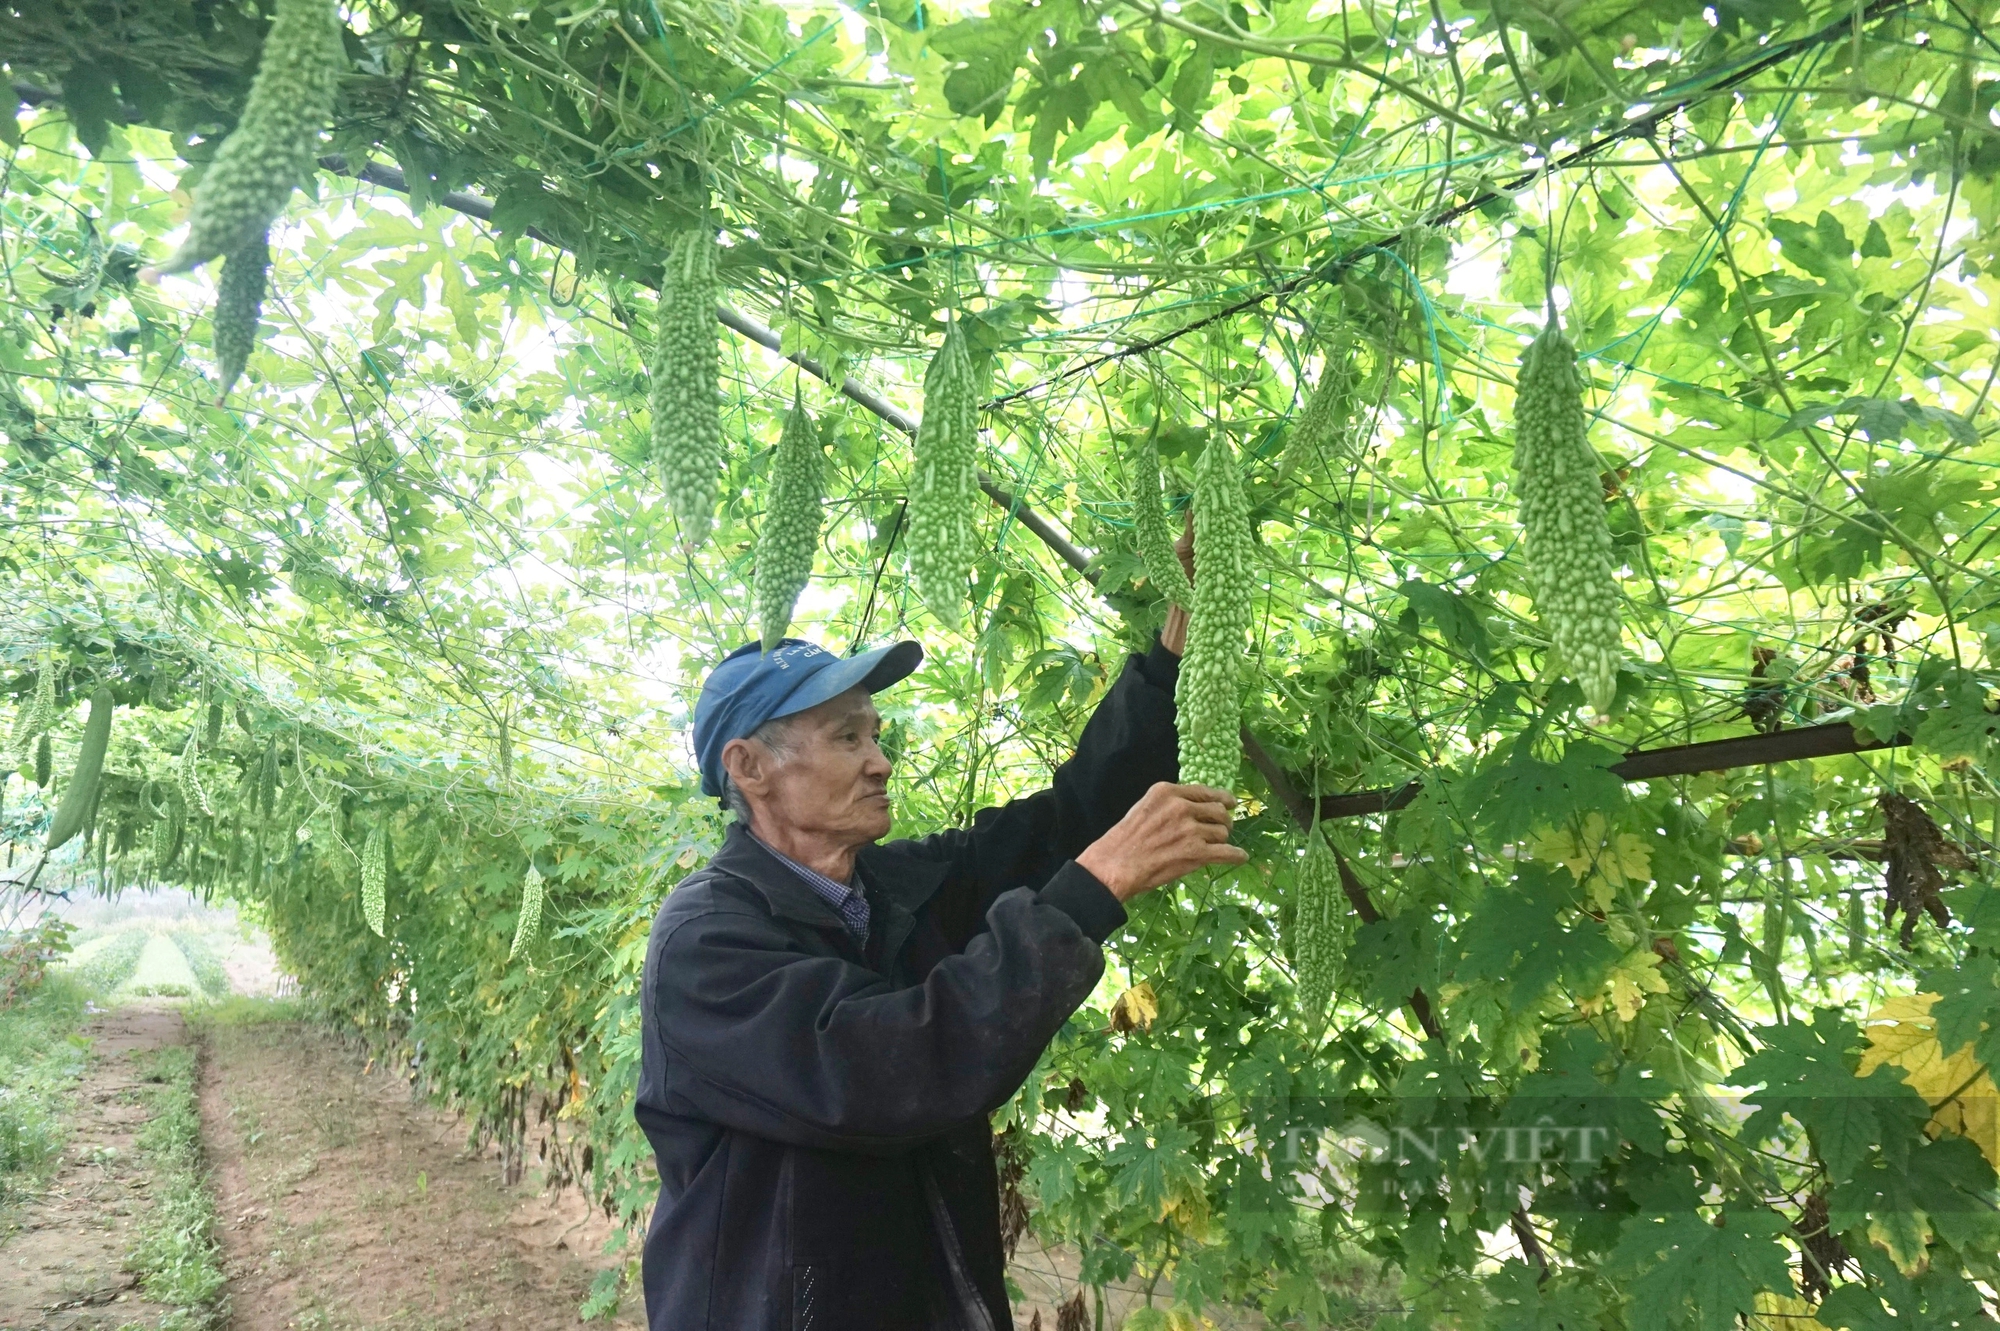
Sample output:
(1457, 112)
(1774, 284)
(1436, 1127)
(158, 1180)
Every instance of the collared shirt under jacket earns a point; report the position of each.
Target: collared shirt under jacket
(818, 1103)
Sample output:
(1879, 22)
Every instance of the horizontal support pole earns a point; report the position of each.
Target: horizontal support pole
(1715, 755)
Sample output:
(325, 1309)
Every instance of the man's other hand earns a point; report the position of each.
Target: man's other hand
(1171, 832)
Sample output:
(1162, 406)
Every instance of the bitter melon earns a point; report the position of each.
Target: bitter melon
(81, 796)
(686, 397)
(1209, 696)
(944, 483)
(267, 781)
(530, 918)
(1319, 924)
(1149, 524)
(791, 523)
(1558, 477)
(375, 877)
(239, 304)
(1318, 434)
(45, 762)
(275, 142)
(193, 793)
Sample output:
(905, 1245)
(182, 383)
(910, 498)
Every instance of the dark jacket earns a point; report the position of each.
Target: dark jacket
(818, 1106)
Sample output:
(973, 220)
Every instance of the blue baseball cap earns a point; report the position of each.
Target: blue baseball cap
(753, 686)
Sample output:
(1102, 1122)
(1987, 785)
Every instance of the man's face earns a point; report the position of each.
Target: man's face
(831, 779)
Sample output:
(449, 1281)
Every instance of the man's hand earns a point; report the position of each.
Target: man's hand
(1171, 832)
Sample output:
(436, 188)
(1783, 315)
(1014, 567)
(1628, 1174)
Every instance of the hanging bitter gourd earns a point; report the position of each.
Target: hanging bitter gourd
(45, 761)
(1209, 696)
(192, 791)
(1558, 477)
(81, 795)
(375, 877)
(35, 717)
(267, 781)
(1319, 924)
(1318, 433)
(1149, 525)
(791, 523)
(239, 304)
(530, 919)
(275, 142)
(686, 397)
(944, 483)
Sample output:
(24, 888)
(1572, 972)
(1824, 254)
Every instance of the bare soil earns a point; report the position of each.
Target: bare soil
(344, 1203)
(62, 1267)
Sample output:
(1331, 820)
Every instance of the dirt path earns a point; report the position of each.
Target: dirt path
(344, 1204)
(63, 1269)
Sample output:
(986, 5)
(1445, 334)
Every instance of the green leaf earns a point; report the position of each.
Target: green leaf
(1698, 1275)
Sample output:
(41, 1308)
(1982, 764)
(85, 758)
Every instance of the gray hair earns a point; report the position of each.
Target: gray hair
(778, 735)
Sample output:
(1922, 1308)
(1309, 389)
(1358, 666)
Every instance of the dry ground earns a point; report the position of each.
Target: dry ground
(342, 1203)
(62, 1268)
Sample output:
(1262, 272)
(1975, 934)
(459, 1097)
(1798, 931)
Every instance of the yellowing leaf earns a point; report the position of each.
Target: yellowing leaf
(1187, 1207)
(1960, 1090)
(1905, 1235)
(1602, 860)
(1135, 1008)
(1783, 1312)
(1632, 979)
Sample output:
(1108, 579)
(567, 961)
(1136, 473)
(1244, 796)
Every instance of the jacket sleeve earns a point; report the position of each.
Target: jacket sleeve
(1129, 744)
(815, 1051)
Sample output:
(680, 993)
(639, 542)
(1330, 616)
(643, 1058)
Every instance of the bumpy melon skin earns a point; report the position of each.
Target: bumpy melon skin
(1570, 557)
(791, 524)
(276, 142)
(239, 304)
(375, 879)
(1319, 434)
(1319, 925)
(529, 922)
(1149, 523)
(941, 543)
(1209, 696)
(686, 385)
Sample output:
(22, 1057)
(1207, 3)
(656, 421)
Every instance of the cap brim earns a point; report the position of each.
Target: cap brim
(873, 671)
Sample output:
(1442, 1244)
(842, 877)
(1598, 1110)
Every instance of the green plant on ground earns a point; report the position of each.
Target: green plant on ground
(177, 1258)
(41, 1058)
(198, 947)
(106, 962)
(163, 972)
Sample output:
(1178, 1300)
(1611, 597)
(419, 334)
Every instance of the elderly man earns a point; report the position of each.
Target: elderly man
(828, 1021)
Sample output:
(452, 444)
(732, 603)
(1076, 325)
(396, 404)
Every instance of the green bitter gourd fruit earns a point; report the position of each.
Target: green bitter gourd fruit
(1317, 434)
(530, 918)
(1319, 924)
(791, 524)
(1209, 696)
(1558, 477)
(275, 142)
(239, 304)
(36, 715)
(45, 761)
(1149, 523)
(944, 483)
(267, 781)
(375, 877)
(77, 801)
(193, 793)
(686, 397)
